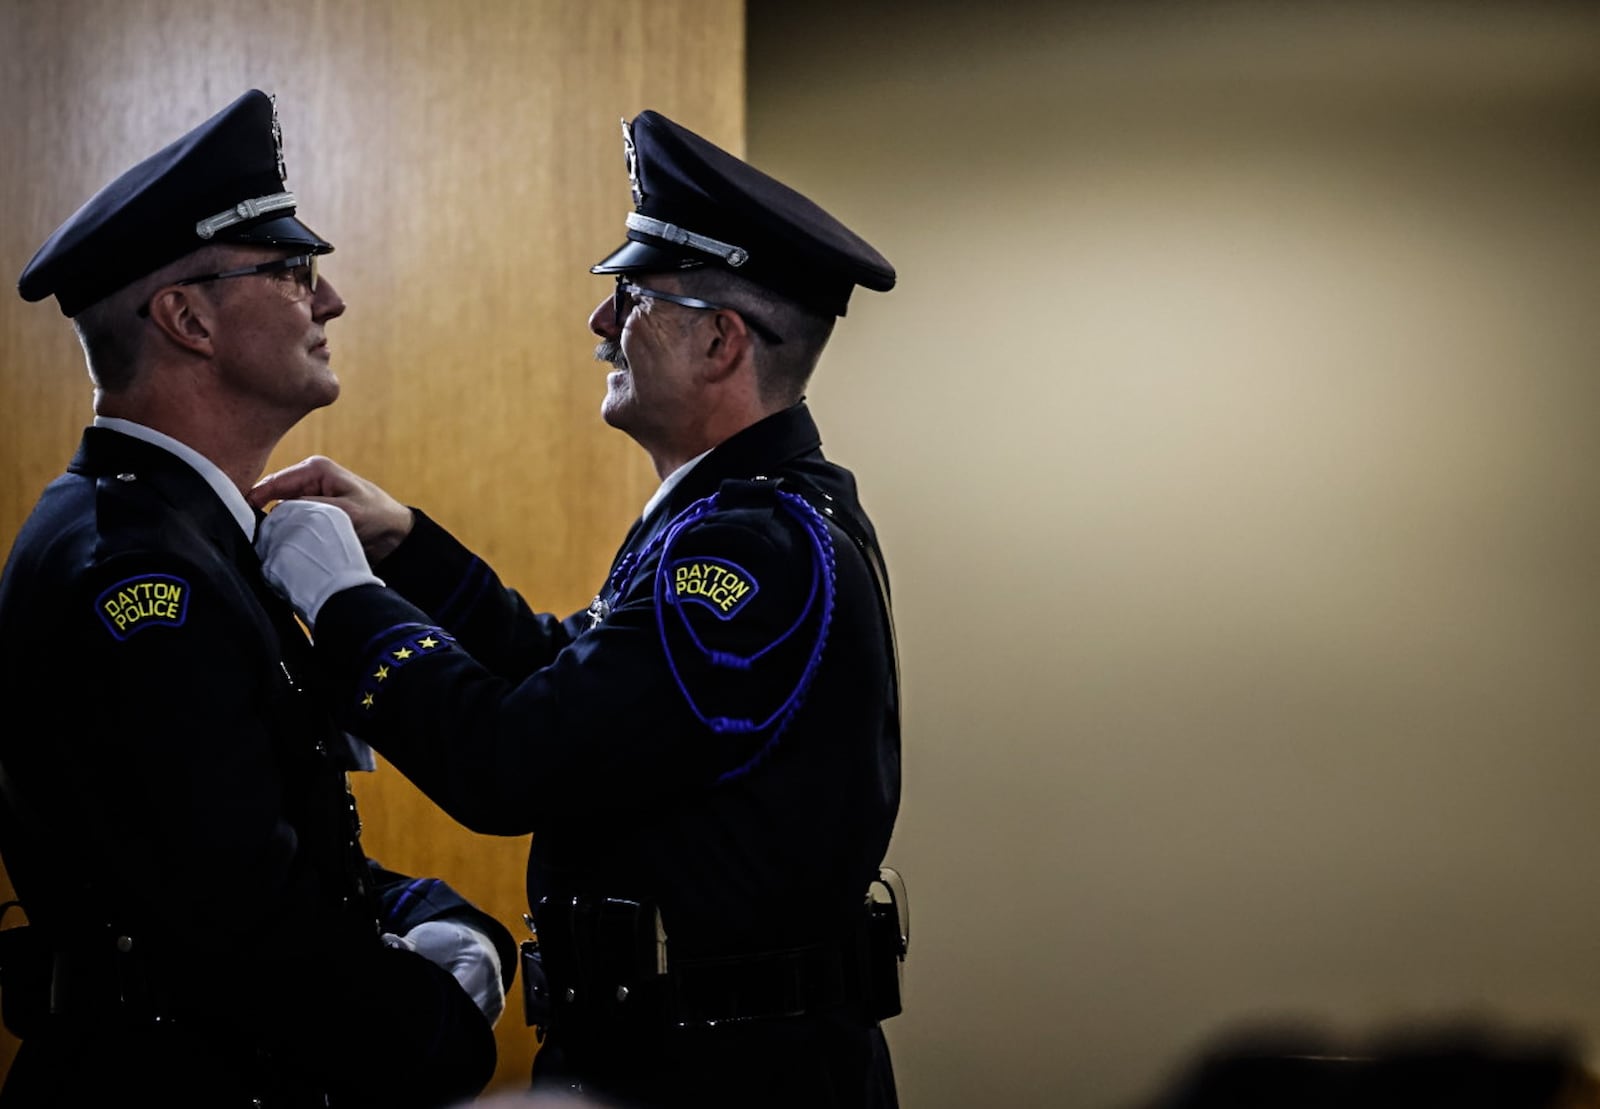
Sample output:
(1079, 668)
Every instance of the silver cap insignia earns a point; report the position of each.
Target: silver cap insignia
(277, 140)
(630, 155)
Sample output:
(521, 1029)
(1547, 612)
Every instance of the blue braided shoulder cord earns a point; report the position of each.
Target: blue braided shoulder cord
(824, 580)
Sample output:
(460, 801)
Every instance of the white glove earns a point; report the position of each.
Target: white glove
(466, 953)
(309, 552)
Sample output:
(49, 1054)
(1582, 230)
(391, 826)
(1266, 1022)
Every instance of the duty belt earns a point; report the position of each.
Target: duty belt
(600, 966)
(103, 982)
(92, 977)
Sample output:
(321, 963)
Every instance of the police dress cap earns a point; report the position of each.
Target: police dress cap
(223, 182)
(697, 205)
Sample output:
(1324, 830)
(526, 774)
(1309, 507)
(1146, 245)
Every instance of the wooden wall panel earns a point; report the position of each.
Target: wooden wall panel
(467, 164)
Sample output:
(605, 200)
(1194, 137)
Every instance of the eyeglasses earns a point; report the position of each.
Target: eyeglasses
(306, 277)
(628, 294)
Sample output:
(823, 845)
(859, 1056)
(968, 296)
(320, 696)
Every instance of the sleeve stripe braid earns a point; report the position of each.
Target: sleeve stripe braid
(414, 891)
(392, 649)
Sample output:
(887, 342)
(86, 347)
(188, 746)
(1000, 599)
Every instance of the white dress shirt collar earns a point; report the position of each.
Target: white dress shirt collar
(668, 484)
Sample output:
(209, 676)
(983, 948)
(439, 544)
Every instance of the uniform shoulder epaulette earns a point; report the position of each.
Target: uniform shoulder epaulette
(750, 492)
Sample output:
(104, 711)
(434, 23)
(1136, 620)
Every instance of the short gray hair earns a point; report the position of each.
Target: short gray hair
(782, 369)
(111, 332)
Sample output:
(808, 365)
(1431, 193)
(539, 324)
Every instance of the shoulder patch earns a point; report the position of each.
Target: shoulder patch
(722, 586)
(147, 601)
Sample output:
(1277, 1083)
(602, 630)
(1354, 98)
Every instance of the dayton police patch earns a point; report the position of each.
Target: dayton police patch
(721, 586)
(147, 601)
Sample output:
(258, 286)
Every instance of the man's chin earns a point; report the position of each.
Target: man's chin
(614, 410)
(326, 392)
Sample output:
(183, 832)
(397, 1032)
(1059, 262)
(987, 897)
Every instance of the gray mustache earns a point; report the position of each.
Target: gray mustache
(609, 350)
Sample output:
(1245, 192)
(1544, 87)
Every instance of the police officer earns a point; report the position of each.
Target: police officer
(708, 757)
(203, 927)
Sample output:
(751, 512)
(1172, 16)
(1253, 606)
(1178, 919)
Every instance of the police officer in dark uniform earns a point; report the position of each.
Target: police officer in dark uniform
(708, 757)
(203, 927)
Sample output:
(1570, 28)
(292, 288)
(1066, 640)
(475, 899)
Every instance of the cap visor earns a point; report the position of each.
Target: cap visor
(283, 231)
(634, 256)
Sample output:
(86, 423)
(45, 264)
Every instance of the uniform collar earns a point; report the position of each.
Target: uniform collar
(226, 491)
(760, 449)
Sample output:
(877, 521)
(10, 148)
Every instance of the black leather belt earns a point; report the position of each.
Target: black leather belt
(600, 967)
(766, 985)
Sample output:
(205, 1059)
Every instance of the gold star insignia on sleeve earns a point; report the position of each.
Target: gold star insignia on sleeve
(403, 653)
(367, 701)
(428, 643)
(381, 673)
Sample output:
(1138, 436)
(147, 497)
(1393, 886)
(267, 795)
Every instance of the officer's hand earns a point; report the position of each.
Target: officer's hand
(308, 553)
(381, 522)
(466, 953)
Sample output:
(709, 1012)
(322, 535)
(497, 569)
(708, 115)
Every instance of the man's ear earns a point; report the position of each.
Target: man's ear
(728, 346)
(185, 316)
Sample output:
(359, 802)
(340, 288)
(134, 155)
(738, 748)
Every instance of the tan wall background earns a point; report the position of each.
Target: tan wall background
(1232, 435)
(467, 163)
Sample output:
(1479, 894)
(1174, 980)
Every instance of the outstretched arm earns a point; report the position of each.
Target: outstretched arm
(381, 522)
(312, 545)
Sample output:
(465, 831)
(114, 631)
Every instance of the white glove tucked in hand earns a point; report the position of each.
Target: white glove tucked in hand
(466, 953)
(309, 552)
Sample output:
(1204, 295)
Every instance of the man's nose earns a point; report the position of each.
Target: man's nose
(603, 320)
(326, 303)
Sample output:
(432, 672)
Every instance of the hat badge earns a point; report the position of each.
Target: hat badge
(630, 155)
(277, 140)
(252, 207)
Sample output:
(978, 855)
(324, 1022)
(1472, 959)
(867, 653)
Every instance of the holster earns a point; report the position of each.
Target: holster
(888, 940)
(597, 967)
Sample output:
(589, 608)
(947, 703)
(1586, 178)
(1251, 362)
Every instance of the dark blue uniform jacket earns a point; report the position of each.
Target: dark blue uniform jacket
(181, 785)
(605, 736)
